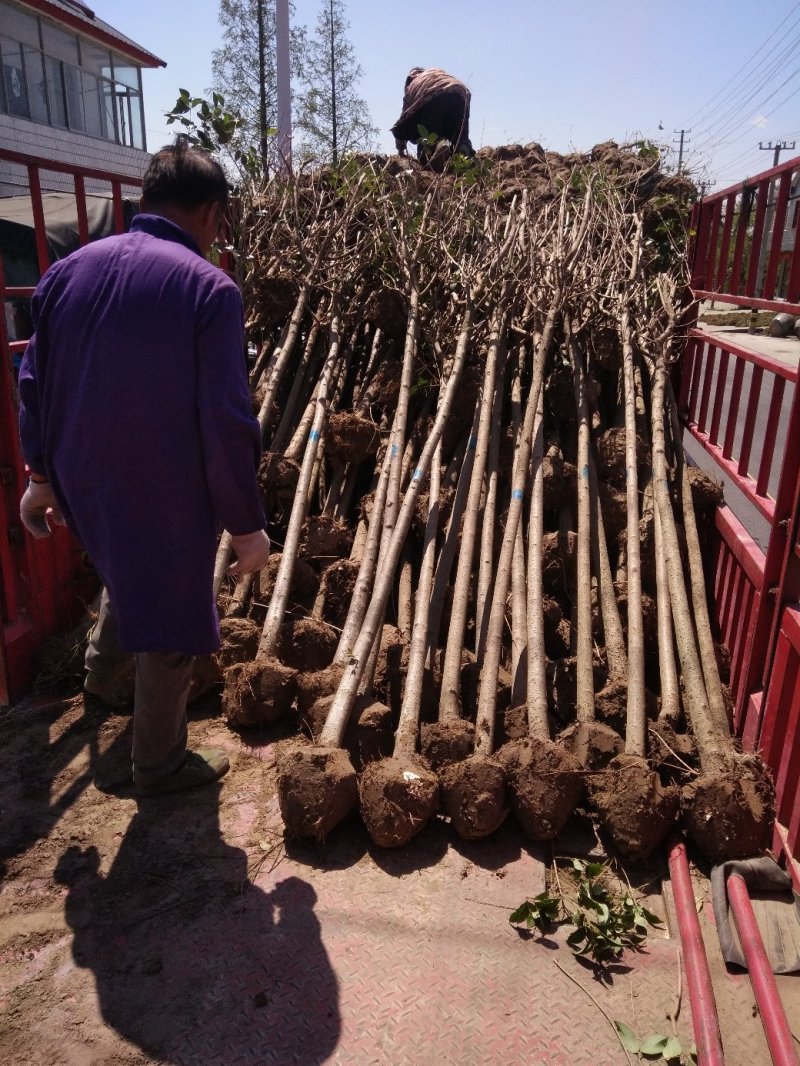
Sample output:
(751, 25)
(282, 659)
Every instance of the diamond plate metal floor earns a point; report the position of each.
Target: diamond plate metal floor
(183, 931)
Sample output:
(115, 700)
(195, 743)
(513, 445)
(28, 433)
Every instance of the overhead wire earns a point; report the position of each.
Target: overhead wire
(743, 67)
(729, 118)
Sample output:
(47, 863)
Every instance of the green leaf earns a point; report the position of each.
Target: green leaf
(653, 1045)
(672, 1049)
(521, 913)
(629, 1040)
(594, 869)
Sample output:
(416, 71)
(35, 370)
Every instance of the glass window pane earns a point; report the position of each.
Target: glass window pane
(91, 105)
(37, 89)
(137, 130)
(55, 92)
(19, 25)
(126, 74)
(59, 44)
(123, 116)
(95, 59)
(109, 113)
(14, 78)
(72, 82)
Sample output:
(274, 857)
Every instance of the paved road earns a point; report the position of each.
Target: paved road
(786, 351)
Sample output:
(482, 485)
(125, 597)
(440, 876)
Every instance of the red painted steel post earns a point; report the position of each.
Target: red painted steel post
(773, 1017)
(778, 562)
(698, 976)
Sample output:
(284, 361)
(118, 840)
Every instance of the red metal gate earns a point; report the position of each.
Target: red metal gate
(43, 584)
(746, 252)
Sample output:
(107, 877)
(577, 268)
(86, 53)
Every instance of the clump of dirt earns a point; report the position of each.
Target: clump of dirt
(611, 455)
(239, 641)
(559, 479)
(277, 478)
(442, 743)
(556, 629)
(474, 796)
(399, 796)
(593, 744)
(552, 564)
(611, 706)
(258, 692)
(669, 750)
(317, 789)
(369, 729)
(272, 301)
(707, 493)
(545, 782)
(382, 392)
(339, 580)
(615, 510)
(316, 685)
(512, 725)
(326, 539)
(388, 310)
(730, 816)
(307, 644)
(470, 687)
(302, 592)
(636, 809)
(350, 438)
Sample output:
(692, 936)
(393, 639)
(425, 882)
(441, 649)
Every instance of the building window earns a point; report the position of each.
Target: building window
(15, 90)
(58, 79)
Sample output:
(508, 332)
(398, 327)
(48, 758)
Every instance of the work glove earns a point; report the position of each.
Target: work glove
(39, 503)
(252, 552)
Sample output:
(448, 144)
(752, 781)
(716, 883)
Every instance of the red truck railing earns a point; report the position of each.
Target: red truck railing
(44, 585)
(746, 252)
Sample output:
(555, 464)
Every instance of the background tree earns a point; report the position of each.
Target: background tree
(244, 71)
(331, 117)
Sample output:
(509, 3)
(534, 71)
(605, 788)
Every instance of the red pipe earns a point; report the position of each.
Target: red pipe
(773, 1018)
(698, 976)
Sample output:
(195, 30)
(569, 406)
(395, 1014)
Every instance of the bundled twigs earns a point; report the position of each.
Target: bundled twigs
(464, 389)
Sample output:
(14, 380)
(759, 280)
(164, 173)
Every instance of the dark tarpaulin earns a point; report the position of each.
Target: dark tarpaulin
(18, 235)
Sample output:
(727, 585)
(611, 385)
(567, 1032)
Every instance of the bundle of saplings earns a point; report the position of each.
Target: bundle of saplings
(487, 591)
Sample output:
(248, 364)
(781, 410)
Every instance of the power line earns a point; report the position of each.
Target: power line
(742, 99)
(722, 137)
(750, 86)
(744, 66)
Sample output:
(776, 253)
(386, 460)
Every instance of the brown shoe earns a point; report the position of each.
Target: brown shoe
(201, 767)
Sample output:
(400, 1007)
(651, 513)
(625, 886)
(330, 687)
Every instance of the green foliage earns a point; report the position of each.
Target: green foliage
(211, 125)
(655, 1046)
(542, 912)
(606, 923)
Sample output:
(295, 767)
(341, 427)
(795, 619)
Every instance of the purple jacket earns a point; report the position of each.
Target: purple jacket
(134, 401)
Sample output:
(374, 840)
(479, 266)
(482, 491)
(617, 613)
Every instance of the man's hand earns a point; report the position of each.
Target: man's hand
(252, 552)
(36, 505)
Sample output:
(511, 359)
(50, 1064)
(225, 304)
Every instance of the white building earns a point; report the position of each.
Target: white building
(71, 91)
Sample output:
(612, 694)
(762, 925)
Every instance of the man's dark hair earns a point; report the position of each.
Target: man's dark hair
(182, 176)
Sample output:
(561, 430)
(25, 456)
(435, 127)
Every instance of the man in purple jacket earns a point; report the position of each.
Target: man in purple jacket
(136, 424)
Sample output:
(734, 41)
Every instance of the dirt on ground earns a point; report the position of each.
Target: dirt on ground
(82, 862)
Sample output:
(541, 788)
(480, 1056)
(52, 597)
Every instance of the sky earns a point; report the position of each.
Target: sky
(565, 73)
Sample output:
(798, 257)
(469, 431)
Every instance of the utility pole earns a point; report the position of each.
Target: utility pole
(781, 146)
(334, 143)
(680, 149)
(284, 85)
(769, 220)
(262, 85)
